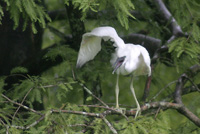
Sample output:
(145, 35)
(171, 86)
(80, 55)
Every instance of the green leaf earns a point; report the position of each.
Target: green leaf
(89, 98)
(33, 28)
(179, 53)
(19, 70)
(143, 129)
(123, 7)
(196, 32)
(62, 86)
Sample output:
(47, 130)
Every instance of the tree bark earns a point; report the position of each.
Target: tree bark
(76, 25)
(16, 46)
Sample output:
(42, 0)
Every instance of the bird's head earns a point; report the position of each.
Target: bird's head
(118, 63)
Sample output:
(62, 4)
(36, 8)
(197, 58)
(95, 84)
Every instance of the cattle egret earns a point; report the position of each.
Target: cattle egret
(127, 58)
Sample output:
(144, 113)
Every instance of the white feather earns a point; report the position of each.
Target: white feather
(137, 59)
(91, 43)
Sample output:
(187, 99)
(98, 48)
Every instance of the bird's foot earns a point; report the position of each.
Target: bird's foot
(138, 111)
(120, 110)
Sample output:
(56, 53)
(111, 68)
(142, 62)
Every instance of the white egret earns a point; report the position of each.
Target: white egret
(127, 59)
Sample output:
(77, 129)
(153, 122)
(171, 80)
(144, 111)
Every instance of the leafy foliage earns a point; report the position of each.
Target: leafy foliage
(57, 88)
(185, 52)
(29, 10)
(19, 70)
(60, 50)
(122, 8)
(186, 49)
(1, 13)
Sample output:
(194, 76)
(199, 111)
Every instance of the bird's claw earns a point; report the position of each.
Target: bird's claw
(120, 110)
(138, 111)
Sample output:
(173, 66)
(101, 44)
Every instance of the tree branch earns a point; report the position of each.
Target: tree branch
(19, 104)
(161, 90)
(191, 116)
(31, 125)
(182, 80)
(175, 28)
(109, 124)
(191, 89)
(150, 43)
(185, 90)
(76, 112)
(177, 96)
(22, 102)
(109, 111)
(89, 92)
(66, 38)
(145, 107)
(147, 87)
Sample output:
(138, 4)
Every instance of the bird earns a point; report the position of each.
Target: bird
(128, 59)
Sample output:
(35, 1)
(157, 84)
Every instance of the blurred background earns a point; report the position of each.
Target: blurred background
(39, 44)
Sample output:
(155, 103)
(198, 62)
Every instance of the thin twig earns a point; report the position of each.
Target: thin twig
(22, 102)
(109, 125)
(25, 107)
(31, 125)
(157, 113)
(86, 89)
(6, 126)
(193, 84)
(96, 106)
(169, 84)
(76, 112)
(47, 86)
(108, 108)
(21, 75)
(89, 92)
(78, 125)
(59, 34)
(121, 105)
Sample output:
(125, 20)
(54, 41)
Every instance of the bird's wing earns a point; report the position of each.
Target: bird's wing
(91, 43)
(146, 58)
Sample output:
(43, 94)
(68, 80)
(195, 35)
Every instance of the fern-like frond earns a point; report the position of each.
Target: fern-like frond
(85, 5)
(196, 32)
(123, 9)
(14, 13)
(64, 51)
(29, 10)
(1, 13)
(185, 52)
(19, 70)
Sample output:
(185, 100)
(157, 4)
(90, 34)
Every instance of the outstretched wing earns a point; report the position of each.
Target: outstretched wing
(91, 43)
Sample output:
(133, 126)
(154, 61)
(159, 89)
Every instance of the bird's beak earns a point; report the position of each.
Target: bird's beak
(118, 63)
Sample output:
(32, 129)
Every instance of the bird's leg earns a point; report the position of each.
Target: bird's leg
(117, 91)
(138, 105)
(118, 109)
